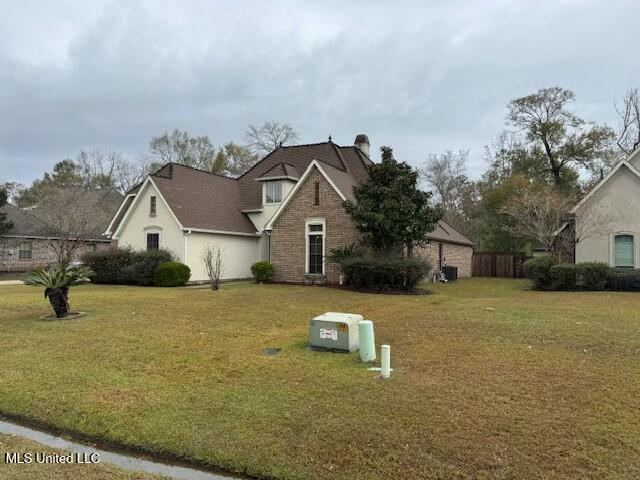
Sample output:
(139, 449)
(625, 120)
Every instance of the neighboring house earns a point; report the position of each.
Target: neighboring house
(286, 209)
(607, 227)
(28, 244)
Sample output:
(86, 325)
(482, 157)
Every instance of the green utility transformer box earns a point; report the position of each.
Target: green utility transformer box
(335, 331)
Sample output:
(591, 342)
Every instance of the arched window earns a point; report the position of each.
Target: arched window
(624, 251)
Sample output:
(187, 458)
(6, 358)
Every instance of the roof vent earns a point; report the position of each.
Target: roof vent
(362, 142)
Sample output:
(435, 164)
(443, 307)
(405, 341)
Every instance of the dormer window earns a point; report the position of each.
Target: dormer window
(273, 191)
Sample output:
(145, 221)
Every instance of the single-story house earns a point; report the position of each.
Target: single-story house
(28, 245)
(607, 220)
(286, 209)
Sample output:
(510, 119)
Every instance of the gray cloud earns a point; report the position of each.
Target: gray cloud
(419, 76)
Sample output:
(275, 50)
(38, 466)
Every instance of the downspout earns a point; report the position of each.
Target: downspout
(187, 233)
(268, 232)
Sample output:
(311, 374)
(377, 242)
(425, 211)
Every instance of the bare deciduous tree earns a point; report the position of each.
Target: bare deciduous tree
(73, 216)
(541, 214)
(629, 121)
(446, 174)
(269, 136)
(213, 259)
(180, 147)
(109, 170)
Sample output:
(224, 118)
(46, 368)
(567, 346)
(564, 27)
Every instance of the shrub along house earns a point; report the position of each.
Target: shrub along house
(286, 209)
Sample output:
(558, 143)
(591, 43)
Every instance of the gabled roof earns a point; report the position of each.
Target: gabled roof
(622, 164)
(280, 170)
(202, 200)
(446, 233)
(345, 159)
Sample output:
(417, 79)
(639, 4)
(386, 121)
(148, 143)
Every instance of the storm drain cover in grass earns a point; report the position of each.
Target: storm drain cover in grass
(271, 351)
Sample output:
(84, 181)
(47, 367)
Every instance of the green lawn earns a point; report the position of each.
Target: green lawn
(492, 380)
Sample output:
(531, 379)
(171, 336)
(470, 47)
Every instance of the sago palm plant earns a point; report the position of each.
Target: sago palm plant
(56, 281)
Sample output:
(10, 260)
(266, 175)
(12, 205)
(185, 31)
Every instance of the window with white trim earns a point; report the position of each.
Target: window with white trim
(315, 247)
(273, 191)
(153, 241)
(152, 206)
(624, 246)
(25, 251)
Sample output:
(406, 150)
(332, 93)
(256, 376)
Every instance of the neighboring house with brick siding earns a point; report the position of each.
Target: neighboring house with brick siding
(286, 209)
(28, 244)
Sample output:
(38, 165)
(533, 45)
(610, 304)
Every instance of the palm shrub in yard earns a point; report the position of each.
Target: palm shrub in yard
(56, 281)
(171, 274)
(262, 271)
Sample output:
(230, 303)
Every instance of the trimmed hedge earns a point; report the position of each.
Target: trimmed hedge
(563, 277)
(262, 271)
(593, 276)
(587, 276)
(107, 265)
(385, 273)
(624, 280)
(171, 274)
(125, 265)
(538, 270)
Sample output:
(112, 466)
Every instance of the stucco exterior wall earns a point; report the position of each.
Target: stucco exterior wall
(288, 238)
(260, 219)
(613, 209)
(454, 255)
(133, 232)
(238, 254)
(41, 253)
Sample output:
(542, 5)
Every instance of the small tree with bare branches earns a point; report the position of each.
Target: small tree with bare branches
(629, 121)
(212, 257)
(72, 217)
(269, 136)
(541, 214)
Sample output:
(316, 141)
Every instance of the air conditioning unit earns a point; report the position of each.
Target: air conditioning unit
(334, 331)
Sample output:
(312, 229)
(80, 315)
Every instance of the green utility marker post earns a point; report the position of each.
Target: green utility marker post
(367, 341)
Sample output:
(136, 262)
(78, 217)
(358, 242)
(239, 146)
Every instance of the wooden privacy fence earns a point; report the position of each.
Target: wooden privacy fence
(497, 264)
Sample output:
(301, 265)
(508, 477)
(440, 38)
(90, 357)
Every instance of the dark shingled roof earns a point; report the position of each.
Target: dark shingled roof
(202, 199)
(446, 233)
(28, 222)
(345, 159)
(281, 170)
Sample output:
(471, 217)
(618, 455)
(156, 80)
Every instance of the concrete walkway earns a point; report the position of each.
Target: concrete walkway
(11, 282)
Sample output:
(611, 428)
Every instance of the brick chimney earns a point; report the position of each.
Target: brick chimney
(362, 142)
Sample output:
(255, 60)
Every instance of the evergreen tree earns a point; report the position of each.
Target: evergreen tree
(389, 210)
(5, 225)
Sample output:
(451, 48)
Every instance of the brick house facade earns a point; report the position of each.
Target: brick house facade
(286, 209)
(288, 238)
(21, 254)
(27, 245)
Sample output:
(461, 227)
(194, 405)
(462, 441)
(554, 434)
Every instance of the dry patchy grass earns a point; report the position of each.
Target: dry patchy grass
(492, 380)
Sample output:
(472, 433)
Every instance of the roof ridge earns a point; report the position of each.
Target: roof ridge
(192, 168)
(336, 148)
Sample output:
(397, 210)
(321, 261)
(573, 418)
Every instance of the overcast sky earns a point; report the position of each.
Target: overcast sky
(419, 76)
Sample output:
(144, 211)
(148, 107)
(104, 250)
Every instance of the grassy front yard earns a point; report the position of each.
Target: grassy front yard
(491, 380)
